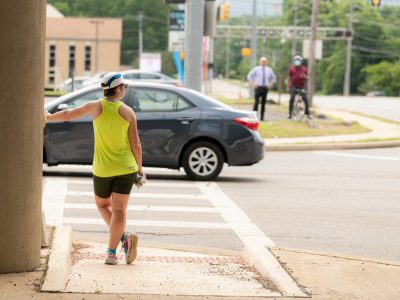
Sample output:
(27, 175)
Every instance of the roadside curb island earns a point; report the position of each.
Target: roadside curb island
(331, 146)
(382, 135)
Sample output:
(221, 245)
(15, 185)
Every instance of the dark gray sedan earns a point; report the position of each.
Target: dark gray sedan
(178, 127)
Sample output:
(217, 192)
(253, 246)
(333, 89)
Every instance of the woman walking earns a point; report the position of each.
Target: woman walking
(117, 162)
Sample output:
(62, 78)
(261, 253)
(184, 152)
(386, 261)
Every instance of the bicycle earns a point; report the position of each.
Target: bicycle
(298, 111)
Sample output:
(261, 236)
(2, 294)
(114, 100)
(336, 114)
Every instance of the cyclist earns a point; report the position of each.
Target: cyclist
(298, 74)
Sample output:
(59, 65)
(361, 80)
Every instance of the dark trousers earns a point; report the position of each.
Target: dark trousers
(260, 93)
(302, 93)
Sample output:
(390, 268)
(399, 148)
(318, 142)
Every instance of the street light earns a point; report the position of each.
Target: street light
(96, 23)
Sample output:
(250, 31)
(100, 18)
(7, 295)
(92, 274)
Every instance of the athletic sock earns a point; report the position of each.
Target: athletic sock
(113, 251)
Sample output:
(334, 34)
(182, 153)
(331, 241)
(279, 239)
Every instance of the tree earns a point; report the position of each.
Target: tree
(382, 77)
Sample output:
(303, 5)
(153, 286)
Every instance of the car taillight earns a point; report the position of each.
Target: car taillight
(251, 123)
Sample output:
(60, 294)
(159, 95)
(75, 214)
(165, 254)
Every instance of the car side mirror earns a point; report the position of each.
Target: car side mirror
(62, 106)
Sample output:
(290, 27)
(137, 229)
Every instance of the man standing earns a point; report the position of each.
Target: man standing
(261, 78)
(298, 74)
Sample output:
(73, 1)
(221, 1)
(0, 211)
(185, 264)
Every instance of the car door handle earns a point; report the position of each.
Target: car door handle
(185, 120)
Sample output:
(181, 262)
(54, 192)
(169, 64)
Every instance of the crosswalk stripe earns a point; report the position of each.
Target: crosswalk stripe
(151, 223)
(53, 200)
(148, 208)
(235, 217)
(147, 195)
(149, 183)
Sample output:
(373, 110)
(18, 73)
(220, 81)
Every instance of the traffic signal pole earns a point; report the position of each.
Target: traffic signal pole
(311, 57)
(194, 26)
(347, 75)
(254, 36)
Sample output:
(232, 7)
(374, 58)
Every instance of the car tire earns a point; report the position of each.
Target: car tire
(203, 161)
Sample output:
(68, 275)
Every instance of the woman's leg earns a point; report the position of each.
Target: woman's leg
(119, 203)
(104, 207)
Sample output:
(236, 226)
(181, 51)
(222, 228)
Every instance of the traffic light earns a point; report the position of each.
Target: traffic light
(376, 3)
(245, 52)
(224, 12)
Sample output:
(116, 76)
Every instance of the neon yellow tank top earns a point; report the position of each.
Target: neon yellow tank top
(112, 152)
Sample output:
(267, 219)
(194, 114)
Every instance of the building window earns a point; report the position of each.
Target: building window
(88, 58)
(52, 63)
(71, 60)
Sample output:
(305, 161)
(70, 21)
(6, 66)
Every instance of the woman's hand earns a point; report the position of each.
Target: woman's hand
(46, 115)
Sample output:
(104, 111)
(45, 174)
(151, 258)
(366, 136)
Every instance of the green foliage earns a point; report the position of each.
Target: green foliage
(384, 76)
(376, 39)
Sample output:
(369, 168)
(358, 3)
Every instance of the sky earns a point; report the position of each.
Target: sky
(271, 7)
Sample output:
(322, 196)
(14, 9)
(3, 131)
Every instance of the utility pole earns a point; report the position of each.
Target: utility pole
(311, 56)
(254, 36)
(194, 26)
(209, 30)
(97, 23)
(227, 55)
(347, 75)
(140, 26)
(295, 20)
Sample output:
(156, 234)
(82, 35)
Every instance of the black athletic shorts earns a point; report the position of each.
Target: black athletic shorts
(104, 186)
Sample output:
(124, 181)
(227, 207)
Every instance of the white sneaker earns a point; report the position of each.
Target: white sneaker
(112, 259)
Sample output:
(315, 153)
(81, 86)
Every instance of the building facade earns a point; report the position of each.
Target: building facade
(80, 46)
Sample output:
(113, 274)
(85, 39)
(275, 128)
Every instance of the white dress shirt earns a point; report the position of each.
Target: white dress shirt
(262, 76)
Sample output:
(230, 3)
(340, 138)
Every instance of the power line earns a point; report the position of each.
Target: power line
(378, 51)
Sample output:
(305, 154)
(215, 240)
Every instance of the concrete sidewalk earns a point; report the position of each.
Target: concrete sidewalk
(180, 274)
(382, 134)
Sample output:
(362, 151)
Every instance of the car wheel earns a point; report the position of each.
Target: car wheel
(203, 161)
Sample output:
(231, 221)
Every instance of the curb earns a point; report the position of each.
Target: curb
(60, 260)
(339, 256)
(331, 146)
(267, 264)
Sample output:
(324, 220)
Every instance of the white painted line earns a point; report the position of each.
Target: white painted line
(254, 240)
(148, 208)
(357, 155)
(149, 183)
(53, 199)
(151, 223)
(146, 195)
(236, 218)
(267, 264)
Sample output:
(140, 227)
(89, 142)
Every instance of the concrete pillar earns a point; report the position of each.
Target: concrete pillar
(22, 38)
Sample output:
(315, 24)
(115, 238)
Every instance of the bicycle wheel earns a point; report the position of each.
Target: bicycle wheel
(298, 108)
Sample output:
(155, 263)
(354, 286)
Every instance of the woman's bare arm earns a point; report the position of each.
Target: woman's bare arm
(71, 114)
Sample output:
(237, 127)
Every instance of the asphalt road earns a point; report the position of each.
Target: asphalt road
(344, 202)
(341, 202)
(384, 107)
